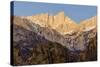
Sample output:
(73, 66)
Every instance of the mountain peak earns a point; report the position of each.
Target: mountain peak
(61, 23)
(61, 13)
(88, 23)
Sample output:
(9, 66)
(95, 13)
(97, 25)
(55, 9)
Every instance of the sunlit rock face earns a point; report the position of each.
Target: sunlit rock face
(59, 22)
(88, 23)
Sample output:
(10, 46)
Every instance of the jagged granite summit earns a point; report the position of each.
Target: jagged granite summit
(59, 22)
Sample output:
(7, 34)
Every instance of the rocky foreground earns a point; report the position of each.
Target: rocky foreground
(36, 44)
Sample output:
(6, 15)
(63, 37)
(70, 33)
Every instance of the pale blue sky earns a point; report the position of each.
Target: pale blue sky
(75, 12)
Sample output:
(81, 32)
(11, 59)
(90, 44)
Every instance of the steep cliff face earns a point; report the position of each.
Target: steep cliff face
(59, 22)
(45, 38)
(89, 23)
(67, 33)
